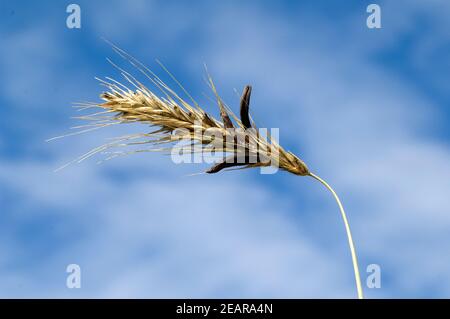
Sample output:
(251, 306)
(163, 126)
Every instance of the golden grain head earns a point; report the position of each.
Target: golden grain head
(177, 120)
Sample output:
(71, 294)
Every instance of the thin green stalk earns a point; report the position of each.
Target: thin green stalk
(349, 236)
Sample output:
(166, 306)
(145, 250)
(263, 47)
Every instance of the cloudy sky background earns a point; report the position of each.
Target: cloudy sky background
(366, 109)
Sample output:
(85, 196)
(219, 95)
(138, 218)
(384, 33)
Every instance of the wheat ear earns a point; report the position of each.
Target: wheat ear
(136, 103)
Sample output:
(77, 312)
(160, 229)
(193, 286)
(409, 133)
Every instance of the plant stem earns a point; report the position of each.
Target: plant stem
(349, 236)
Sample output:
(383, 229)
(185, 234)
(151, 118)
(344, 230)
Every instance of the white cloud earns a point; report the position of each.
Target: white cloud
(165, 237)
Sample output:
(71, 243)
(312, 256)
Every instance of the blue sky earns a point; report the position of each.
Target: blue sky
(366, 109)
